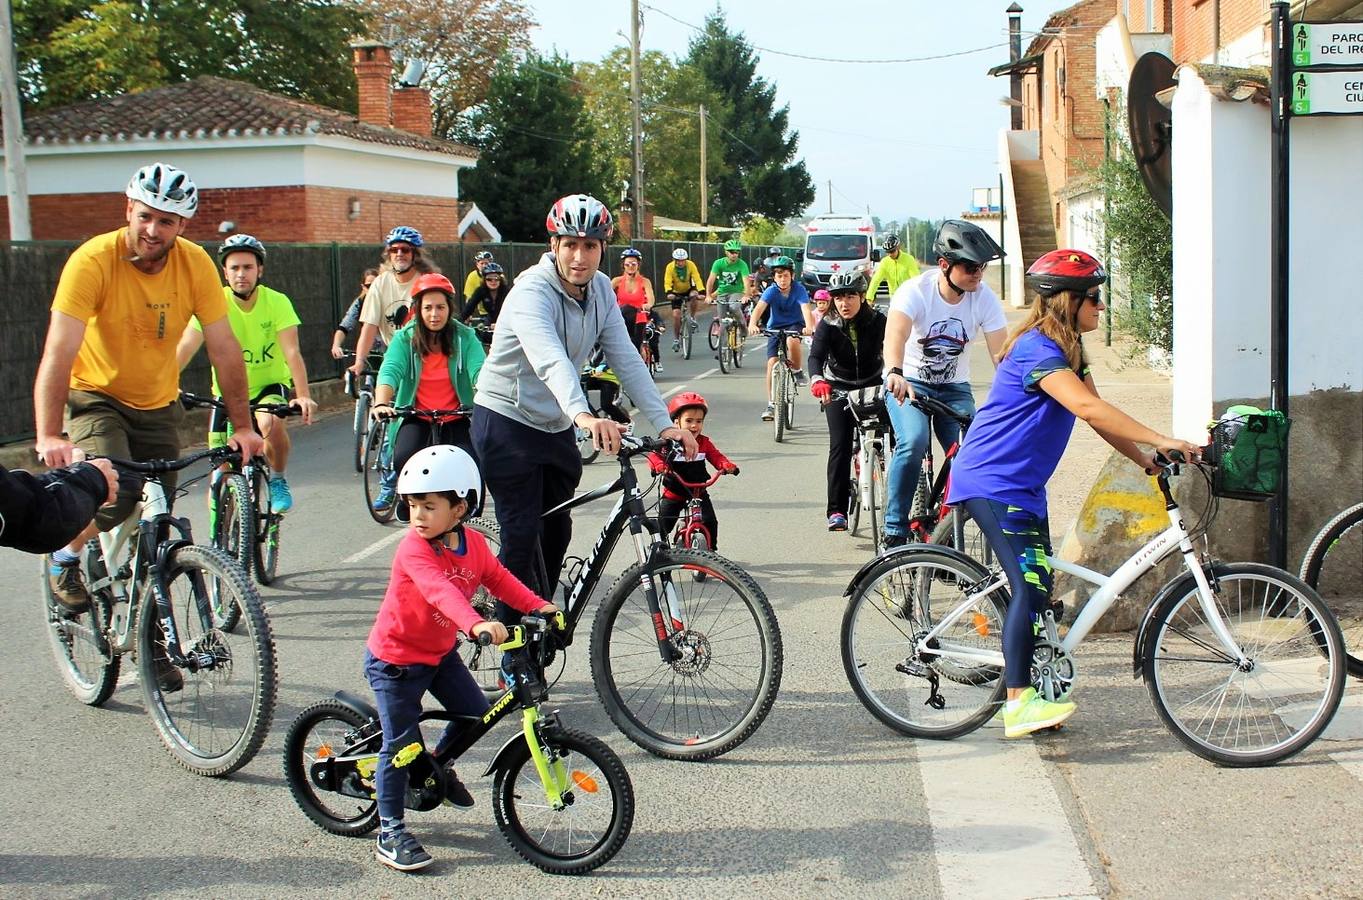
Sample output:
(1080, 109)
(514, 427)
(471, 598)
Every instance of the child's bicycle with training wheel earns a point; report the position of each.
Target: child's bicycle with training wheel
(561, 798)
(1244, 662)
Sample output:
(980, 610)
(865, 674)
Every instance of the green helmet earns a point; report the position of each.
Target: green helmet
(732, 246)
(783, 262)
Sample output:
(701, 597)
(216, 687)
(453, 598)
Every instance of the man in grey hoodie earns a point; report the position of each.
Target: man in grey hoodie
(529, 399)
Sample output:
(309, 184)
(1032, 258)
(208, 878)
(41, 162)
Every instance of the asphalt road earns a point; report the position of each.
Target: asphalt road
(822, 801)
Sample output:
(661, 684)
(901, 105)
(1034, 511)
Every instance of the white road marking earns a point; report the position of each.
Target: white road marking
(682, 387)
(998, 827)
(375, 547)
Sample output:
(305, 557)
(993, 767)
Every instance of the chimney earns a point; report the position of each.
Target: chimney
(412, 109)
(373, 64)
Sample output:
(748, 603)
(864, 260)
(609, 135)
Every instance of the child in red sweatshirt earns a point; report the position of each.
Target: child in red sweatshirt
(411, 649)
(688, 410)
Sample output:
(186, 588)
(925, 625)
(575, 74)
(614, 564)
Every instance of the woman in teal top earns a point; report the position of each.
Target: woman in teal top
(432, 363)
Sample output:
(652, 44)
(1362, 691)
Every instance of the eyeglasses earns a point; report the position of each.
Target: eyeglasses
(396, 251)
(1096, 298)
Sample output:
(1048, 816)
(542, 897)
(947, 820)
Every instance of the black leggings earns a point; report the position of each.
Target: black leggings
(414, 435)
(841, 426)
(1021, 541)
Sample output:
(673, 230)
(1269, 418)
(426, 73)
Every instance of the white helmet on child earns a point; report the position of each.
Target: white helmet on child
(442, 467)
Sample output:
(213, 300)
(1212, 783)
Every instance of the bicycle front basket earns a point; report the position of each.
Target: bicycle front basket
(1248, 451)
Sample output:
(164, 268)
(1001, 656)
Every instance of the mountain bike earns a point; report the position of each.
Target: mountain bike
(484, 327)
(362, 389)
(561, 798)
(209, 692)
(240, 521)
(378, 455)
(688, 329)
(686, 668)
(732, 333)
(1244, 663)
(647, 330)
(783, 384)
(869, 440)
(1333, 565)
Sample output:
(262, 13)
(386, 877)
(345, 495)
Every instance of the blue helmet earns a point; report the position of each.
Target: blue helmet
(403, 234)
(630, 253)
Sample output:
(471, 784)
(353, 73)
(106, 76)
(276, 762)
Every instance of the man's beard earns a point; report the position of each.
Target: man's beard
(402, 270)
(154, 256)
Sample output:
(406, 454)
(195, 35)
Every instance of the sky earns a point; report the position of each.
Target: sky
(906, 138)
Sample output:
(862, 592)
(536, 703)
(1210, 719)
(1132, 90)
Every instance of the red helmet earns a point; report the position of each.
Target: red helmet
(432, 281)
(686, 400)
(1065, 270)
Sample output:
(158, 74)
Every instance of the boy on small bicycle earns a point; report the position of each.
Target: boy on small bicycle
(847, 349)
(411, 649)
(688, 409)
(789, 305)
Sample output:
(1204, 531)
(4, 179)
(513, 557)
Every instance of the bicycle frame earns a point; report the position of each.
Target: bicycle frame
(1109, 588)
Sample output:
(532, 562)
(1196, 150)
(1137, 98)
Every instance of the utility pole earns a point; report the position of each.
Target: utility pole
(635, 99)
(1014, 77)
(830, 196)
(704, 201)
(16, 172)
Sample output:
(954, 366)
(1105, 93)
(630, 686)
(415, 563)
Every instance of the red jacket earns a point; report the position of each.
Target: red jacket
(427, 602)
(691, 470)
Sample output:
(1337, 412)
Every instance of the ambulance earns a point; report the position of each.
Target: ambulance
(836, 243)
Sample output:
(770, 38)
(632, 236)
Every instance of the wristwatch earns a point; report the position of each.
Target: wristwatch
(895, 371)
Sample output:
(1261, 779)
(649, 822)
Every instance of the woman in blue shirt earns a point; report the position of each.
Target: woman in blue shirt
(1015, 444)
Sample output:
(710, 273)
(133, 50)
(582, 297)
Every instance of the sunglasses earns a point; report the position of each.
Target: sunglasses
(1096, 298)
(972, 268)
(399, 251)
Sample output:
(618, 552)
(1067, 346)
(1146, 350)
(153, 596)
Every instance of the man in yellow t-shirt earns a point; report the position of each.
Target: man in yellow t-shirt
(681, 283)
(266, 326)
(109, 359)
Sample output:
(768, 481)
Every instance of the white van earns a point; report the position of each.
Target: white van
(835, 243)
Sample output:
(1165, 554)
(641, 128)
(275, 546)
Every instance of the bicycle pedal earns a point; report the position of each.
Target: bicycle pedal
(406, 755)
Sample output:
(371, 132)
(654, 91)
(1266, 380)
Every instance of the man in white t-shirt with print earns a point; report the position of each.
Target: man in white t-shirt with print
(933, 317)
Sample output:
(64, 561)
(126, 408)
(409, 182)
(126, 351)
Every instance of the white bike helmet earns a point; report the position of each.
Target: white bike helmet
(164, 188)
(680, 255)
(441, 468)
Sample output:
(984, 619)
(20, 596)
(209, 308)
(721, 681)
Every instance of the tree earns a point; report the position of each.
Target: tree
(459, 42)
(763, 232)
(672, 94)
(533, 136)
(764, 177)
(74, 50)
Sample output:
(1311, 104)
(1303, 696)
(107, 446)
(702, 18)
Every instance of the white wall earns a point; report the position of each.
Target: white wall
(1222, 253)
(1084, 223)
(1014, 145)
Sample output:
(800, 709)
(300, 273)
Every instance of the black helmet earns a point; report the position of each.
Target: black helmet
(958, 242)
(891, 243)
(847, 283)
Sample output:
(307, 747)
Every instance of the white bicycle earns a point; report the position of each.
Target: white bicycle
(1244, 662)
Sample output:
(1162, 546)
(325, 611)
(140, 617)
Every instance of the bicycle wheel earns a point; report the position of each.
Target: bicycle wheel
(374, 451)
(234, 535)
(361, 429)
(1271, 708)
(854, 493)
(484, 663)
(875, 494)
(971, 541)
(736, 340)
(723, 354)
(921, 693)
(715, 695)
(325, 729)
(922, 494)
(1333, 566)
(88, 665)
(716, 332)
(688, 324)
(213, 714)
(265, 535)
(779, 377)
(596, 815)
(790, 400)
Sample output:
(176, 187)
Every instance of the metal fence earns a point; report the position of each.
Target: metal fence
(320, 279)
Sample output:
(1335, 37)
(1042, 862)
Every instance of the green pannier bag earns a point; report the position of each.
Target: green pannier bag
(1248, 449)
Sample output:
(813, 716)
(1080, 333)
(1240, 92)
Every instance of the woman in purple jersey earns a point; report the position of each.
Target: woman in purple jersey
(1015, 444)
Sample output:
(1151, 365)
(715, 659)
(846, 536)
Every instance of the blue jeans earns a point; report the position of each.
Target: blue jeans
(911, 442)
(399, 690)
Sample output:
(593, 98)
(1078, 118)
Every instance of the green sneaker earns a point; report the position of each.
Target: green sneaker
(1032, 713)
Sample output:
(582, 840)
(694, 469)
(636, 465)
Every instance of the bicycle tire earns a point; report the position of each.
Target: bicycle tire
(373, 472)
(854, 492)
(687, 335)
(875, 511)
(235, 536)
(790, 400)
(716, 332)
(361, 428)
(922, 494)
(484, 663)
(1333, 567)
(901, 596)
(265, 534)
(551, 841)
(240, 660)
(318, 731)
(87, 664)
(722, 354)
(628, 672)
(973, 542)
(1268, 691)
(738, 341)
(779, 390)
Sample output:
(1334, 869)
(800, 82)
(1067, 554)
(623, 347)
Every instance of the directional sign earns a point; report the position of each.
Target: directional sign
(1330, 44)
(1327, 93)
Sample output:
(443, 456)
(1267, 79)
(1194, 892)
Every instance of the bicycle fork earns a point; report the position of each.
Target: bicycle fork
(644, 551)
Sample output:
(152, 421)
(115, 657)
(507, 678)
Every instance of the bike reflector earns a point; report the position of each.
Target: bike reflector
(585, 782)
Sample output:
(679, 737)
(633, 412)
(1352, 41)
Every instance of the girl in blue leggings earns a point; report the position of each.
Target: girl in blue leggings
(1015, 444)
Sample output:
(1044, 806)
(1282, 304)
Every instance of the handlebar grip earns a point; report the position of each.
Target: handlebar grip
(484, 639)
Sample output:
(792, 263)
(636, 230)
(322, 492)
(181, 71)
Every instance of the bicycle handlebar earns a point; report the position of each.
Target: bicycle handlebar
(934, 407)
(413, 412)
(162, 466)
(279, 410)
(696, 485)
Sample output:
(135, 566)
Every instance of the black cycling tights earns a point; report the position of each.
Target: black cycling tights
(1021, 541)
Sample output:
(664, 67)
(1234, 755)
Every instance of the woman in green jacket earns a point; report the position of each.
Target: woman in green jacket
(432, 363)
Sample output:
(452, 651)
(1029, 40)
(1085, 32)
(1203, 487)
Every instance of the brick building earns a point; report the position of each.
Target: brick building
(272, 166)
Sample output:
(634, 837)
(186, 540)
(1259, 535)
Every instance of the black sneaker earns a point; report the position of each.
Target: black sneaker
(68, 587)
(402, 851)
(895, 540)
(455, 792)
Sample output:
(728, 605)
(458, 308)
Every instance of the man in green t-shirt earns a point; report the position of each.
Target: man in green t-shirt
(729, 281)
(266, 326)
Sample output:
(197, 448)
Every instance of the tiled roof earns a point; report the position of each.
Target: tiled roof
(210, 107)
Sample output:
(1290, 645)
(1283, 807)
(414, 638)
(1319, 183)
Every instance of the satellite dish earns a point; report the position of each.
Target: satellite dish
(1150, 124)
